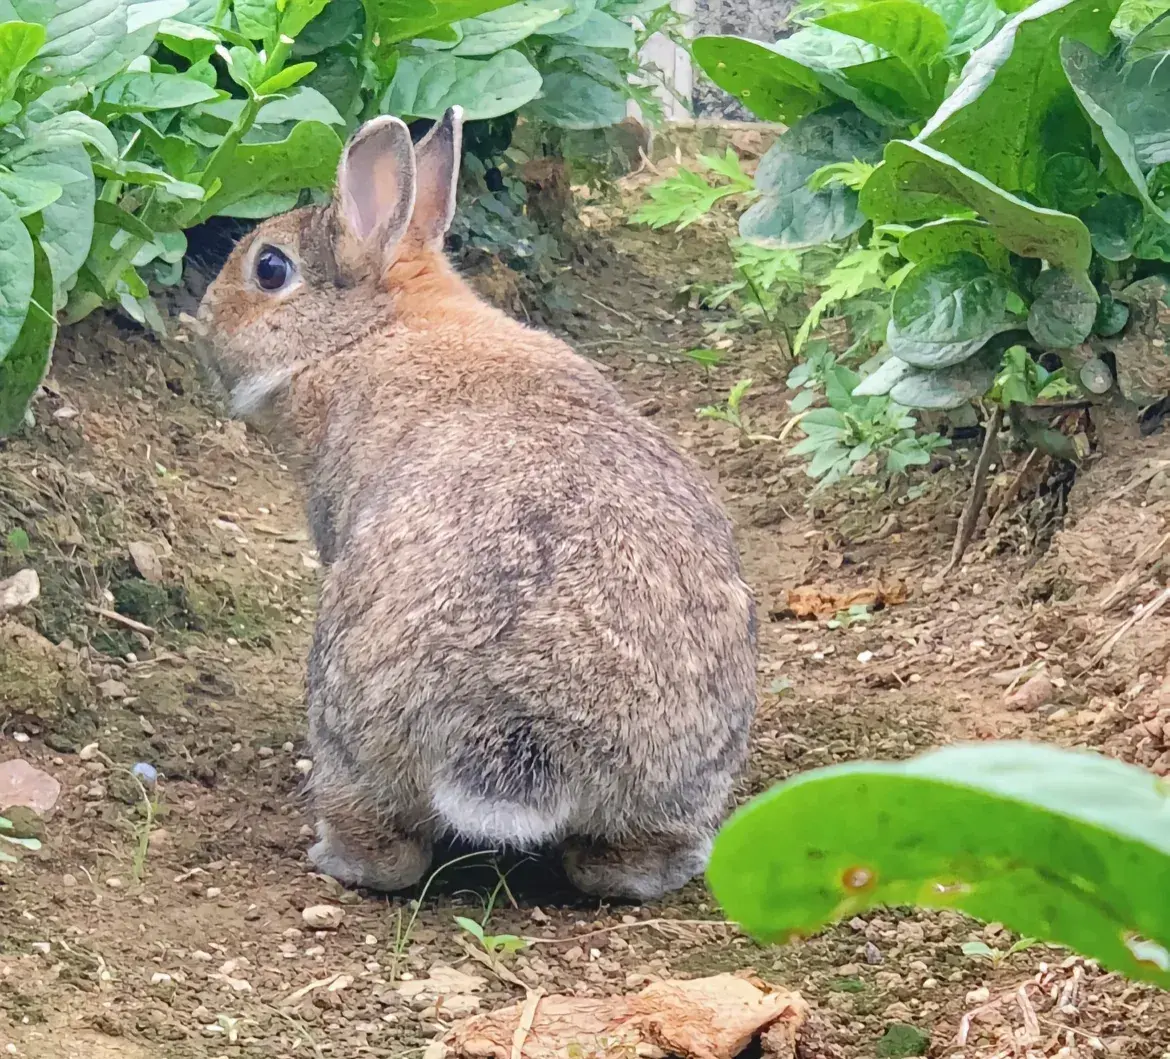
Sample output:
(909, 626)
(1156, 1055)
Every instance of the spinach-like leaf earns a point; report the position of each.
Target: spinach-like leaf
(1064, 306)
(427, 83)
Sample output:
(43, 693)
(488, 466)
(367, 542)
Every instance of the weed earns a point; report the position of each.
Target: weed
(980, 950)
(6, 827)
(729, 411)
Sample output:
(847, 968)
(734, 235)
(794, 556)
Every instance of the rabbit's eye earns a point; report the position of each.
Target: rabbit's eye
(273, 269)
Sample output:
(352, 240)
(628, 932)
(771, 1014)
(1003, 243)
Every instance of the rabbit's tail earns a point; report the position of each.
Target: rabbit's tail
(478, 816)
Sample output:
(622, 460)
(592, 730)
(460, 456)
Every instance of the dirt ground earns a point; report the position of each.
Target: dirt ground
(172, 927)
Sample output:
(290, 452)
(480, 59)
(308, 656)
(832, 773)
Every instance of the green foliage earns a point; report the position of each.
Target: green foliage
(123, 124)
(687, 196)
(1065, 846)
(9, 837)
(1016, 168)
(493, 944)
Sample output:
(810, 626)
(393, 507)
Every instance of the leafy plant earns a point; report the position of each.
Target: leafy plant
(729, 411)
(1066, 846)
(7, 829)
(930, 127)
(982, 951)
(493, 944)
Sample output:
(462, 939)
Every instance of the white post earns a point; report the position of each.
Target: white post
(675, 65)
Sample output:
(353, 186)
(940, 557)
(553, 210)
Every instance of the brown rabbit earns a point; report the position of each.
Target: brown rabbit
(533, 627)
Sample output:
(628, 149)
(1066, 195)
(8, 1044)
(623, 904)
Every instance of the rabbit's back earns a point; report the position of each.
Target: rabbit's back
(535, 612)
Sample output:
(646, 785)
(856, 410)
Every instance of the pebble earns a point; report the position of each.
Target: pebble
(114, 883)
(304, 766)
(873, 954)
(147, 774)
(371, 940)
(89, 752)
(979, 996)
(43, 947)
(323, 917)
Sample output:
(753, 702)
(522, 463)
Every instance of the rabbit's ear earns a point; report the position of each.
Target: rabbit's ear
(437, 164)
(376, 183)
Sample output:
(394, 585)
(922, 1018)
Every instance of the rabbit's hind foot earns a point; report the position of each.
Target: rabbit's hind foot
(394, 863)
(641, 873)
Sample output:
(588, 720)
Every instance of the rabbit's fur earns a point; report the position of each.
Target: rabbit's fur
(533, 627)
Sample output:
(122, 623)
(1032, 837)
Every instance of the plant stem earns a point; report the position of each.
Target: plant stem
(978, 491)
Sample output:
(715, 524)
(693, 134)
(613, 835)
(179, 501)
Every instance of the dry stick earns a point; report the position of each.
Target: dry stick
(1139, 617)
(121, 619)
(657, 924)
(975, 498)
(1134, 574)
(610, 309)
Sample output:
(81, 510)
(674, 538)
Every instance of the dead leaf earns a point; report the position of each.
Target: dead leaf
(810, 601)
(708, 1018)
(441, 981)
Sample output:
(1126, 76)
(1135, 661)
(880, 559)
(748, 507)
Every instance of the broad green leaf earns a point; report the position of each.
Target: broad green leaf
(573, 100)
(264, 204)
(1068, 182)
(920, 177)
(295, 15)
(887, 91)
(1126, 104)
(285, 79)
(497, 30)
(788, 214)
(958, 298)
(28, 196)
(66, 130)
(337, 23)
(1141, 25)
(1064, 306)
(78, 33)
(771, 85)
(307, 158)
(909, 31)
(599, 30)
(27, 362)
(1115, 224)
(393, 21)
(144, 92)
(934, 355)
(425, 85)
(257, 19)
(194, 43)
(1112, 316)
(996, 120)
(142, 21)
(970, 23)
(116, 217)
(577, 14)
(879, 382)
(16, 275)
(19, 44)
(67, 222)
(148, 176)
(1066, 846)
(950, 235)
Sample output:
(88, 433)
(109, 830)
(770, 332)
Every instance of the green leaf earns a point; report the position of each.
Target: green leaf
(425, 85)
(67, 222)
(1115, 224)
(307, 158)
(66, 130)
(391, 21)
(1141, 24)
(295, 15)
(945, 388)
(193, 43)
(257, 19)
(1064, 306)
(259, 206)
(574, 100)
(577, 14)
(22, 370)
(28, 196)
(771, 85)
(339, 21)
(879, 382)
(1126, 104)
(995, 120)
(1112, 316)
(145, 92)
(116, 217)
(957, 298)
(951, 235)
(19, 44)
(16, 275)
(285, 79)
(1067, 846)
(78, 33)
(788, 214)
(148, 176)
(902, 1041)
(497, 30)
(917, 179)
(909, 31)
(969, 23)
(599, 30)
(934, 355)
(1068, 182)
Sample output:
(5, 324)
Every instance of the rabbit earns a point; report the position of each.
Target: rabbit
(533, 631)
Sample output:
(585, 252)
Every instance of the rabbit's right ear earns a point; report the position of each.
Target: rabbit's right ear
(376, 184)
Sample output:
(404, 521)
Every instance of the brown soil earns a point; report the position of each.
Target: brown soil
(181, 935)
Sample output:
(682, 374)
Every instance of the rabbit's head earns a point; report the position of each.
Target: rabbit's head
(311, 283)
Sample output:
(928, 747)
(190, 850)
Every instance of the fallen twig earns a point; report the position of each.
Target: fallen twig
(975, 497)
(531, 1003)
(610, 309)
(121, 619)
(1139, 617)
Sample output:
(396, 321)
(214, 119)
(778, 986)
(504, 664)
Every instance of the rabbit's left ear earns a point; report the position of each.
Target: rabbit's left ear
(436, 161)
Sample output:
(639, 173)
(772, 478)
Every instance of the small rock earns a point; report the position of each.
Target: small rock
(146, 561)
(28, 786)
(848, 970)
(873, 955)
(113, 689)
(322, 917)
(304, 766)
(979, 996)
(114, 883)
(89, 752)
(19, 590)
(147, 774)
(43, 947)
(160, 978)
(1034, 693)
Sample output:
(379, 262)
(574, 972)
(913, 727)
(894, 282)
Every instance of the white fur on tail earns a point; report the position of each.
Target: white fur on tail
(496, 820)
